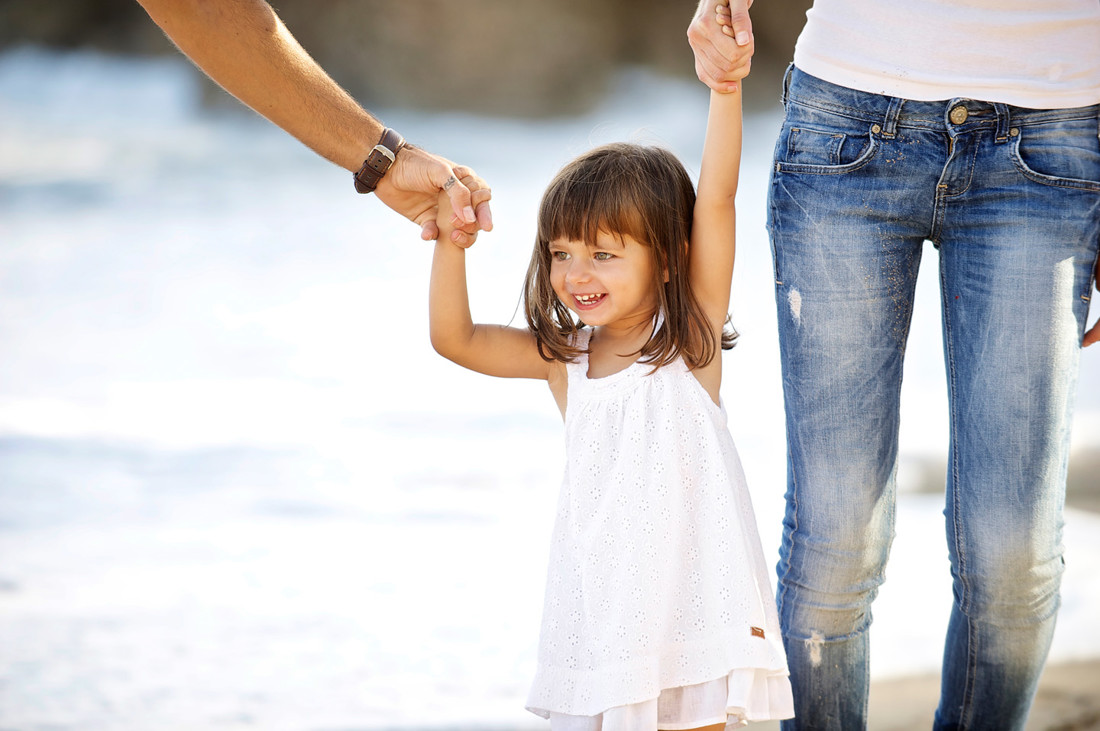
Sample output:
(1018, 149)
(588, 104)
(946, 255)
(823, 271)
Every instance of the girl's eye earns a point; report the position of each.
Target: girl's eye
(603, 256)
(559, 255)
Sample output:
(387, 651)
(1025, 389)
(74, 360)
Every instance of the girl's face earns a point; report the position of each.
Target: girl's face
(610, 283)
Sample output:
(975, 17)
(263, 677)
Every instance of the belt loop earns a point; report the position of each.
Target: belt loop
(787, 82)
(890, 121)
(1004, 120)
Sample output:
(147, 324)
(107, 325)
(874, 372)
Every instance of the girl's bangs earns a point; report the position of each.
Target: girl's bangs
(578, 210)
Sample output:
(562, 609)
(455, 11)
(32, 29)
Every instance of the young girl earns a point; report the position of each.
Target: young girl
(658, 611)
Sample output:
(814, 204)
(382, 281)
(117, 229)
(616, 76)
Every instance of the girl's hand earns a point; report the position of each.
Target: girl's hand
(739, 28)
(444, 224)
(724, 16)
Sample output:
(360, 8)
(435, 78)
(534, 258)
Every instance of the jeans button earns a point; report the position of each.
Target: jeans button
(958, 115)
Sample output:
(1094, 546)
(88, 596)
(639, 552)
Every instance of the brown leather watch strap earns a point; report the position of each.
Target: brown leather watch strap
(379, 161)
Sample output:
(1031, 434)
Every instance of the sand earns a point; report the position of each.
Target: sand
(1068, 700)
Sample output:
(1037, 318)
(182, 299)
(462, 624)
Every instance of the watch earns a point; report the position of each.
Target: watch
(379, 161)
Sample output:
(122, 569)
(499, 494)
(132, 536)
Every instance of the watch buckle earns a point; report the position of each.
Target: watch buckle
(385, 151)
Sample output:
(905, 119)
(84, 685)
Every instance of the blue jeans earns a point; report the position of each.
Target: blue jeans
(1011, 199)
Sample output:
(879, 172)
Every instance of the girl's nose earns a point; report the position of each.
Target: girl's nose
(579, 271)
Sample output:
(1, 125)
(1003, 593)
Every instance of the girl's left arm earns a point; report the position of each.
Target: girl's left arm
(712, 232)
(495, 350)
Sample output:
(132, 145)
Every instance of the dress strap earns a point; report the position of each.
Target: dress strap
(581, 338)
(577, 371)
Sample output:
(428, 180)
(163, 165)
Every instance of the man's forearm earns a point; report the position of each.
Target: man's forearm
(245, 48)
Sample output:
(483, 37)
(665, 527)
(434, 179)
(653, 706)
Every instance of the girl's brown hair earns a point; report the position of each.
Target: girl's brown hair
(623, 189)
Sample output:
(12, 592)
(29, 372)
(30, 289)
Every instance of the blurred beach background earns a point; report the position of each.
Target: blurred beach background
(238, 490)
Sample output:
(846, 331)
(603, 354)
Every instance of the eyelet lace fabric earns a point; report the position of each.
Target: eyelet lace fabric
(657, 580)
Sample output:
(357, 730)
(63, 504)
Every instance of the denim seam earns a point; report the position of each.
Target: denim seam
(1020, 117)
(866, 684)
(811, 169)
(972, 156)
(772, 222)
(1050, 180)
(964, 595)
(793, 476)
(843, 111)
(891, 118)
(1029, 117)
(938, 214)
(963, 599)
(966, 713)
(1004, 122)
(785, 557)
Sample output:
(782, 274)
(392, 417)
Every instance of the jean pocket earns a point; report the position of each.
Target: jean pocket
(824, 152)
(1063, 154)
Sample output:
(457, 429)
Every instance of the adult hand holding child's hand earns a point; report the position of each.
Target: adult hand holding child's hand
(412, 188)
(720, 34)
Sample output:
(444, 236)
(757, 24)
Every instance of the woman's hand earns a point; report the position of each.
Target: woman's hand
(720, 34)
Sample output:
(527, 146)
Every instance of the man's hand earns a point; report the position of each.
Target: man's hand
(413, 185)
(1092, 335)
(720, 34)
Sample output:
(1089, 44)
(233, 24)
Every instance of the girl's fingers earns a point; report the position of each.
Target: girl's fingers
(480, 195)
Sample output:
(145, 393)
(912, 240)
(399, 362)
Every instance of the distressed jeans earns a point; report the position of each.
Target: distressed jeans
(1010, 197)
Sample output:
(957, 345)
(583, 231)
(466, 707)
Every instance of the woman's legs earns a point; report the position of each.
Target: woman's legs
(1011, 198)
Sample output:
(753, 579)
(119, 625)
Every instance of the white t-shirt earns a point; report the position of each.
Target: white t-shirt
(1043, 54)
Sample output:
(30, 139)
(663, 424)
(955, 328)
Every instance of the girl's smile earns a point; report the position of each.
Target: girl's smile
(609, 282)
(588, 301)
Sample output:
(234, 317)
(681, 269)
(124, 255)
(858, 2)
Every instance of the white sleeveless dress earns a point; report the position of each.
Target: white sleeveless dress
(659, 611)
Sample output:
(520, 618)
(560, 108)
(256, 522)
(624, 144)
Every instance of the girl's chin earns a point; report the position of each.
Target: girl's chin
(588, 317)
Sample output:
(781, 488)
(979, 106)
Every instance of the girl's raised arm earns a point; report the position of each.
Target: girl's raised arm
(712, 232)
(494, 350)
